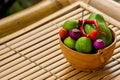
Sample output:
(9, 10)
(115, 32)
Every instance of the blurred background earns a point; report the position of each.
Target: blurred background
(118, 1)
(8, 7)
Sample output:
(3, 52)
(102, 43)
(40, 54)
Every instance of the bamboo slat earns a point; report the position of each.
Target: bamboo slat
(36, 53)
(5, 55)
(13, 63)
(3, 51)
(3, 62)
(97, 73)
(12, 69)
(105, 73)
(112, 75)
(2, 46)
(116, 78)
(37, 73)
(14, 73)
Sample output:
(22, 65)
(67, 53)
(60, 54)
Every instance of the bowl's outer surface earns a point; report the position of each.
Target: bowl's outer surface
(88, 62)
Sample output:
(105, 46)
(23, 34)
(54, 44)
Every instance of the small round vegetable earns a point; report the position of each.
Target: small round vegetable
(83, 44)
(69, 42)
(93, 35)
(99, 44)
(75, 33)
(70, 24)
(63, 33)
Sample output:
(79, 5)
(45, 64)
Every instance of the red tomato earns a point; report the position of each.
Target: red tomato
(63, 33)
(93, 35)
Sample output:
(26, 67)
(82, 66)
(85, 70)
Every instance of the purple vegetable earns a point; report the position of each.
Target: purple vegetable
(99, 44)
(75, 33)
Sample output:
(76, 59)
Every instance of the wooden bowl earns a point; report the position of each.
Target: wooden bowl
(88, 62)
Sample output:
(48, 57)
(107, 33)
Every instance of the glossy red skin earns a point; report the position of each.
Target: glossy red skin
(81, 22)
(93, 35)
(63, 33)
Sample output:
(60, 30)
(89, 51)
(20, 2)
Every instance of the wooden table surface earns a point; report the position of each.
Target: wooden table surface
(33, 53)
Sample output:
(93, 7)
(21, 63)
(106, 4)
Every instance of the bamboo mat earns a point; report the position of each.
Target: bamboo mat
(36, 55)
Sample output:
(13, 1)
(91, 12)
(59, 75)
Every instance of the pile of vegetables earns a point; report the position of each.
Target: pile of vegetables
(86, 36)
